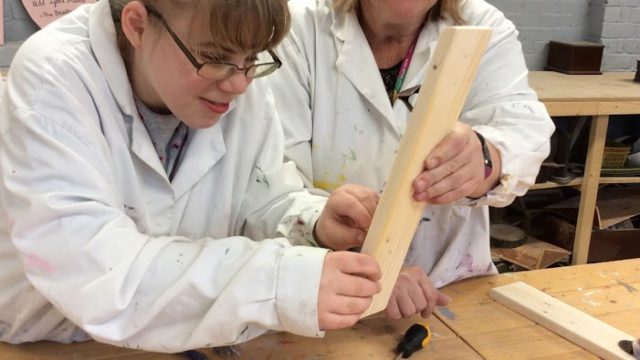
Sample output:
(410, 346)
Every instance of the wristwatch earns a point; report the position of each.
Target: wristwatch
(488, 165)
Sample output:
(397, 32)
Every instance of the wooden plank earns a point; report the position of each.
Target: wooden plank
(612, 93)
(554, 185)
(571, 108)
(620, 107)
(608, 291)
(580, 328)
(587, 108)
(589, 189)
(578, 181)
(444, 90)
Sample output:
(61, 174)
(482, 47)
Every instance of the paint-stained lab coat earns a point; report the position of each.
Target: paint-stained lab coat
(340, 126)
(95, 240)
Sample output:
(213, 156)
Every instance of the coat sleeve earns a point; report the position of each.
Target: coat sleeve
(503, 107)
(287, 210)
(86, 256)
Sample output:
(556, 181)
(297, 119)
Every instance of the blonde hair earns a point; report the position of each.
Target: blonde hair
(227, 22)
(441, 10)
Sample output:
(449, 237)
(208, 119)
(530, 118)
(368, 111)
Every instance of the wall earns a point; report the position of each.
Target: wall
(17, 27)
(620, 34)
(539, 21)
(613, 23)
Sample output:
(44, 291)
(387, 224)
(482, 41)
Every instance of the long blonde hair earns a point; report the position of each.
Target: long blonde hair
(227, 20)
(441, 10)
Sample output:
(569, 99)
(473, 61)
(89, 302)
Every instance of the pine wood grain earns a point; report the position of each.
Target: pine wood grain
(372, 338)
(611, 86)
(607, 291)
(444, 90)
(582, 329)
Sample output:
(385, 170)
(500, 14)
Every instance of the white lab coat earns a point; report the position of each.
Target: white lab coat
(340, 127)
(95, 240)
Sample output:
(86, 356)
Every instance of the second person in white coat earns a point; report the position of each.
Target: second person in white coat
(347, 62)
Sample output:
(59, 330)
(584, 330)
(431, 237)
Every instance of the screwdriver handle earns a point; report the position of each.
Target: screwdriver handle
(416, 337)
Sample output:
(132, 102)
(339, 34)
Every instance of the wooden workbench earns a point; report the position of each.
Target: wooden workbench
(607, 291)
(598, 96)
(373, 339)
(473, 326)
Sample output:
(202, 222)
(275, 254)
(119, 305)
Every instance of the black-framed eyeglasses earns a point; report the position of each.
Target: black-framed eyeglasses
(219, 70)
(406, 94)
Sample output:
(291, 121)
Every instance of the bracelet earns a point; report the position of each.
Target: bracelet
(488, 165)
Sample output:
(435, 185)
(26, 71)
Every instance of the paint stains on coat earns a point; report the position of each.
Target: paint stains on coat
(330, 185)
(35, 262)
(466, 262)
(261, 178)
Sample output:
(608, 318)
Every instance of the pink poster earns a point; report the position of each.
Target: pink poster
(45, 11)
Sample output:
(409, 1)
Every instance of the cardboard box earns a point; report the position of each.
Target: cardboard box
(613, 205)
(605, 245)
(534, 254)
(608, 245)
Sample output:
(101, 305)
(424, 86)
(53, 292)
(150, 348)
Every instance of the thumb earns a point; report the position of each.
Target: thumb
(442, 299)
(342, 237)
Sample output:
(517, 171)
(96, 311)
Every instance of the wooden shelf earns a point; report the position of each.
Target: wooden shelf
(553, 185)
(578, 181)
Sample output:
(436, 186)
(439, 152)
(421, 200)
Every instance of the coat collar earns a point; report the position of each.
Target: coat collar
(102, 34)
(204, 150)
(206, 146)
(356, 62)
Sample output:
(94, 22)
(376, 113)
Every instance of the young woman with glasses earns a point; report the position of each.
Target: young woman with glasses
(344, 98)
(139, 166)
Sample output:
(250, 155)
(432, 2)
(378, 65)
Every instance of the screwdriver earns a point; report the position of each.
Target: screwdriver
(416, 337)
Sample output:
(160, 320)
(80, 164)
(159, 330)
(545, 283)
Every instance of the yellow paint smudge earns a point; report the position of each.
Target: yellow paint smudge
(328, 185)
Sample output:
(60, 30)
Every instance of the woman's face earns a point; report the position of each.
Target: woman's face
(169, 81)
(399, 11)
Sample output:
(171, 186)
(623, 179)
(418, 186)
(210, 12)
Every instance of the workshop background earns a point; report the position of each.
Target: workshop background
(544, 215)
(613, 23)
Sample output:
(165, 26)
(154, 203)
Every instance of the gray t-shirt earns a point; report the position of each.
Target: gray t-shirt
(168, 135)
